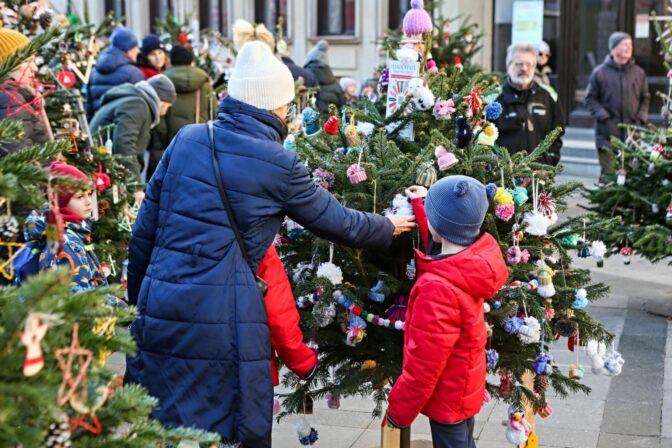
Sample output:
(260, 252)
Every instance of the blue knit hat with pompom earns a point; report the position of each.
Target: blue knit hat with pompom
(456, 207)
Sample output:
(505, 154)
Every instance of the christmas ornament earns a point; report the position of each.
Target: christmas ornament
(566, 328)
(333, 400)
(66, 78)
(324, 313)
(401, 206)
(32, 335)
(517, 428)
(443, 109)
(575, 371)
(515, 256)
(620, 177)
(393, 317)
(535, 221)
(276, 406)
(613, 362)
(307, 434)
(464, 133)
(540, 384)
(101, 180)
(512, 324)
(543, 364)
(294, 229)
(519, 195)
(544, 275)
(9, 227)
(396, 314)
(369, 364)
(411, 270)
(290, 143)
(580, 299)
(331, 125)
(356, 330)
(505, 384)
(505, 211)
(597, 250)
(351, 133)
(491, 358)
(488, 135)
(545, 411)
(493, 111)
(329, 270)
(474, 101)
(365, 128)
(655, 209)
(75, 384)
(546, 204)
(445, 159)
(530, 330)
(668, 215)
(626, 252)
(426, 175)
(431, 67)
(323, 178)
(375, 294)
(310, 121)
(417, 21)
(356, 174)
(58, 435)
(421, 95)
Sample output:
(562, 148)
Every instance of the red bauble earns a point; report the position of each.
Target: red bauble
(100, 179)
(182, 37)
(331, 126)
(67, 78)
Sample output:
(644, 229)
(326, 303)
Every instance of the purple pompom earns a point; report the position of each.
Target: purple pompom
(417, 20)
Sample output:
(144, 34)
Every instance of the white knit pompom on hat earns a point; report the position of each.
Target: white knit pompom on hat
(260, 79)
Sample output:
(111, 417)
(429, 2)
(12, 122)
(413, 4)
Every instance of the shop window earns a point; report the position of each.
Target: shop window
(336, 17)
(268, 12)
(118, 7)
(395, 13)
(214, 14)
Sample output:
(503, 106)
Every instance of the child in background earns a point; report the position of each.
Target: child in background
(349, 87)
(78, 254)
(443, 372)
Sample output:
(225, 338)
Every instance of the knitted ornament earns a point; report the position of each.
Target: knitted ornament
(517, 428)
(575, 372)
(331, 272)
(596, 352)
(613, 362)
(540, 384)
(101, 180)
(545, 411)
(443, 109)
(543, 364)
(431, 67)
(464, 133)
(324, 313)
(519, 195)
(566, 328)
(290, 143)
(310, 121)
(375, 294)
(307, 435)
(333, 401)
(474, 101)
(530, 331)
(366, 128)
(549, 314)
(417, 20)
(505, 384)
(580, 299)
(546, 204)
(598, 249)
(626, 252)
(426, 175)
(620, 177)
(356, 330)
(356, 174)
(323, 178)
(544, 275)
(411, 270)
(331, 125)
(515, 256)
(512, 324)
(445, 159)
(397, 312)
(351, 133)
(491, 358)
(570, 240)
(505, 211)
(503, 196)
(401, 206)
(535, 221)
(488, 135)
(294, 230)
(422, 96)
(493, 111)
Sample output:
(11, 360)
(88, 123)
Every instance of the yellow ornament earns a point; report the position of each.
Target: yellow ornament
(104, 326)
(351, 134)
(488, 136)
(532, 441)
(503, 197)
(369, 364)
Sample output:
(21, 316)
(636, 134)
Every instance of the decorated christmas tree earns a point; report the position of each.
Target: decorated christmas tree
(54, 388)
(353, 302)
(640, 190)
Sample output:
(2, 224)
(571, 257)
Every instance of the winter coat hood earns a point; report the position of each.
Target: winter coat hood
(111, 59)
(148, 92)
(479, 270)
(141, 89)
(186, 78)
(247, 118)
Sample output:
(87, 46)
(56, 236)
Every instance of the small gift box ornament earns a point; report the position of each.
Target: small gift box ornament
(356, 174)
(575, 371)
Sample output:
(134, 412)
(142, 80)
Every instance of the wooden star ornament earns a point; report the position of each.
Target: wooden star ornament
(73, 386)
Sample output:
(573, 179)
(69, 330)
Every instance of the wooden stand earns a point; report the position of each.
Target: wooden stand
(528, 383)
(395, 438)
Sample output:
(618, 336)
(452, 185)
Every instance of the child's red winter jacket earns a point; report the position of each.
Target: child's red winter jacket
(445, 337)
(283, 320)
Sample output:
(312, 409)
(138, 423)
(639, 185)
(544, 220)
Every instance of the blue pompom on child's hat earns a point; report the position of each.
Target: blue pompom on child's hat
(456, 207)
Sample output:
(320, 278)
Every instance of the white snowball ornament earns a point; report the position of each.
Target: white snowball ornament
(331, 272)
(530, 331)
(401, 206)
(596, 351)
(613, 362)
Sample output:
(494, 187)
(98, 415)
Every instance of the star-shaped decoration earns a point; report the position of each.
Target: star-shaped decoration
(33, 106)
(76, 387)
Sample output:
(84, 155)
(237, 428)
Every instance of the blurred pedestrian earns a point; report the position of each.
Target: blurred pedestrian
(317, 61)
(349, 87)
(152, 59)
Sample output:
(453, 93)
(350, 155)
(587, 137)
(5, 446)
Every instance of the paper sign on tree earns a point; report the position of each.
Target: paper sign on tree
(400, 73)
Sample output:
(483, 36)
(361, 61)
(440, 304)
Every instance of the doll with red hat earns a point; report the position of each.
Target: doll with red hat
(75, 207)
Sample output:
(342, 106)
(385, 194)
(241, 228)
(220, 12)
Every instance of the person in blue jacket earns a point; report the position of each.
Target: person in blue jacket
(115, 66)
(202, 332)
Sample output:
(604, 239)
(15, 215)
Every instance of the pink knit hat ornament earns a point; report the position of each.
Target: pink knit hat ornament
(417, 20)
(445, 159)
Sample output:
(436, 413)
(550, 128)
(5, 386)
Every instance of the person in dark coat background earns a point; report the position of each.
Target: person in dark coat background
(115, 66)
(617, 93)
(309, 80)
(152, 59)
(202, 333)
(36, 128)
(317, 61)
(529, 112)
(133, 110)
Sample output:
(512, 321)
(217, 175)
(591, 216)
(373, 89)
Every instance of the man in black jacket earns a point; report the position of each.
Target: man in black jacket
(529, 112)
(617, 93)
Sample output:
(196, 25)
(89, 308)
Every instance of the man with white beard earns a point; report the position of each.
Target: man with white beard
(529, 112)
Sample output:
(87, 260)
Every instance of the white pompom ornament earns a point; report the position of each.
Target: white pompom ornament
(536, 223)
(331, 272)
(530, 331)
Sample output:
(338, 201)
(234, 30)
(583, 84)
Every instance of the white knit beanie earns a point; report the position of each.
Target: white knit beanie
(260, 79)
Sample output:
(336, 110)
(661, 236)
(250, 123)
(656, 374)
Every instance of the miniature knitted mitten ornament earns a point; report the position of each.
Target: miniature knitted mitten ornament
(331, 126)
(310, 121)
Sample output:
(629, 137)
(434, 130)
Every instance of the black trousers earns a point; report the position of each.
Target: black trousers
(457, 435)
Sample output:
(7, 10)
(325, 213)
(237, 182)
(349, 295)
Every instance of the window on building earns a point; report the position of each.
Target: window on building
(214, 14)
(158, 9)
(336, 17)
(118, 7)
(268, 12)
(395, 13)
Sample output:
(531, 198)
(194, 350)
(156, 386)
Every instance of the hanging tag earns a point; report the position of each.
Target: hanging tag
(94, 198)
(115, 194)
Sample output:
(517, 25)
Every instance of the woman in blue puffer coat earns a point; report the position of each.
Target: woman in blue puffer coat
(202, 332)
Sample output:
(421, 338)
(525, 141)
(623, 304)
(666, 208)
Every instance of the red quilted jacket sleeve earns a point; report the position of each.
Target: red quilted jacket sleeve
(430, 335)
(283, 317)
(418, 205)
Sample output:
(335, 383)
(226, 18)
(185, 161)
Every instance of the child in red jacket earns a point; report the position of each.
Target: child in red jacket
(283, 321)
(444, 366)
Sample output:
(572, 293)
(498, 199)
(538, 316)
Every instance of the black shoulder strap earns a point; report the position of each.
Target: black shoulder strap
(222, 193)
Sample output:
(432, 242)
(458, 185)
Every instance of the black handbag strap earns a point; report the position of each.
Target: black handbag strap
(222, 194)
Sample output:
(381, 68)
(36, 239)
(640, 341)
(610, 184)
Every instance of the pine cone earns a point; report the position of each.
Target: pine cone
(45, 20)
(9, 228)
(58, 435)
(540, 384)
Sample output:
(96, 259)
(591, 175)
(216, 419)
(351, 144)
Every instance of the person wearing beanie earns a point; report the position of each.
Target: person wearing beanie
(114, 66)
(152, 59)
(133, 110)
(543, 70)
(188, 271)
(444, 370)
(317, 61)
(617, 92)
(349, 88)
(195, 103)
(75, 206)
(36, 128)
